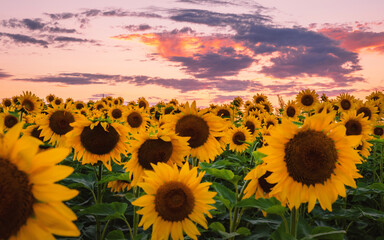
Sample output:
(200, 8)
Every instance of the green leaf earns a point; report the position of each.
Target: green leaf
(115, 235)
(225, 192)
(217, 226)
(219, 173)
(325, 233)
(272, 204)
(281, 234)
(276, 209)
(377, 186)
(83, 180)
(115, 210)
(258, 156)
(243, 231)
(115, 177)
(226, 202)
(130, 197)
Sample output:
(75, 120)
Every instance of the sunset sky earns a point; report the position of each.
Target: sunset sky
(204, 50)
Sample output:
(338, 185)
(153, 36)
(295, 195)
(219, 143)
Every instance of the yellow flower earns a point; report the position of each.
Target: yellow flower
(357, 125)
(311, 163)
(346, 102)
(259, 98)
(136, 119)
(30, 103)
(307, 99)
(174, 200)
(258, 184)
(238, 138)
(116, 113)
(143, 103)
(119, 186)
(31, 201)
(252, 124)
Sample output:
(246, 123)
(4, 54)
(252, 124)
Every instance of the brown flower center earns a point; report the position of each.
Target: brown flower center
(250, 126)
(307, 100)
(36, 133)
(16, 199)
(116, 113)
(142, 104)
(367, 112)
(259, 99)
(28, 105)
(134, 119)
(291, 111)
(58, 101)
(59, 122)
(194, 127)
(224, 113)
(238, 138)
(353, 127)
(266, 186)
(345, 104)
(79, 106)
(174, 201)
(378, 131)
(98, 141)
(310, 157)
(154, 151)
(7, 102)
(266, 107)
(10, 121)
(100, 107)
(270, 123)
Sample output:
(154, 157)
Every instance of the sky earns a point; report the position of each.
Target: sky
(210, 51)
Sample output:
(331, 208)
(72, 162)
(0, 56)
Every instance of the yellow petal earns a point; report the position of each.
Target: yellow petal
(51, 174)
(53, 192)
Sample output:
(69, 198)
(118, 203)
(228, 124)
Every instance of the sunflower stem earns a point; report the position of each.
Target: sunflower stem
(136, 191)
(99, 199)
(129, 227)
(285, 223)
(294, 219)
(104, 230)
(195, 162)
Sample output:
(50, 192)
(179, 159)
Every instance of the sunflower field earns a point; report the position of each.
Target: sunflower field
(311, 168)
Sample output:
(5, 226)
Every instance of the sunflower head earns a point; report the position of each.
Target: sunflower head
(9, 118)
(224, 111)
(136, 119)
(368, 109)
(143, 103)
(50, 98)
(7, 102)
(307, 99)
(258, 184)
(116, 113)
(239, 138)
(378, 130)
(357, 125)
(291, 110)
(30, 103)
(346, 102)
(376, 95)
(259, 98)
(252, 124)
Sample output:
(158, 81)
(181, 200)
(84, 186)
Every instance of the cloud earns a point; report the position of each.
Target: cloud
(183, 85)
(19, 38)
(36, 24)
(70, 39)
(136, 28)
(4, 75)
(356, 40)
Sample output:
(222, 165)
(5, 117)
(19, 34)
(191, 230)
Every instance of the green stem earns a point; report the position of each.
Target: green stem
(129, 227)
(195, 162)
(136, 191)
(99, 199)
(294, 219)
(285, 223)
(104, 230)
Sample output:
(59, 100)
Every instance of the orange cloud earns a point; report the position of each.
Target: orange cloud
(184, 45)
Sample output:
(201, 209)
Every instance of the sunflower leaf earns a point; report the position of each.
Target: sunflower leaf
(219, 173)
(115, 235)
(225, 192)
(325, 233)
(114, 210)
(116, 177)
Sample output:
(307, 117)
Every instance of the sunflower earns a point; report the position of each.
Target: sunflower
(224, 111)
(267, 106)
(116, 113)
(55, 125)
(7, 102)
(259, 98)
(149, 149)
(379, 104)
(291, 111)
(119, 186)
(307, 99)
(136, 119)
(168, 109)
(364, 148)
(238, 101)
(79, 105)
(31, 201)
(174, 200)
(376, 95)
(174, 102)
(57, 102)
(99, 106)
(143, 103)
(33, 131)
(324, 98)
(8, 118)
(368, 109)
(269, 120)
(356, 124)
(30, 103)
(252, 124)
(97, 141)
(345, 102)
(258, 184)
(254, 110)
(378, 130)
(201, 127)
(238, 138)
(324, 106)
(311, 163)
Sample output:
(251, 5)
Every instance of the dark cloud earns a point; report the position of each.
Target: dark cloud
(33, 24)
(211, 64)
(183, 85)
(36, 24)
(4, 75)
(19, 38)
(224, 98)
(136, 28)
(70, 39)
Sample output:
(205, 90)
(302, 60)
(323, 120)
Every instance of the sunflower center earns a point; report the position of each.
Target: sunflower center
(345, 104)
(28, 105)
(79, 106)
(10, 121)
(59, 122)
(194, 127)
(134, 119)
(266, 186)
(16, 199)
(378, 131)
(57, 101)
(223, 113)
(174, 201)
(367, 112)
(310, 157)
(307, 100)
(238, 138)
(266, 107)
(291, 111)
(98, 141)
(51, 98)
(116, 113)
(142, 104)
(7, 102)
(36, 133)
(374, 98)
(353, 127)
(259, 99)
(154, 151)
(250, 126)
(270, 123)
